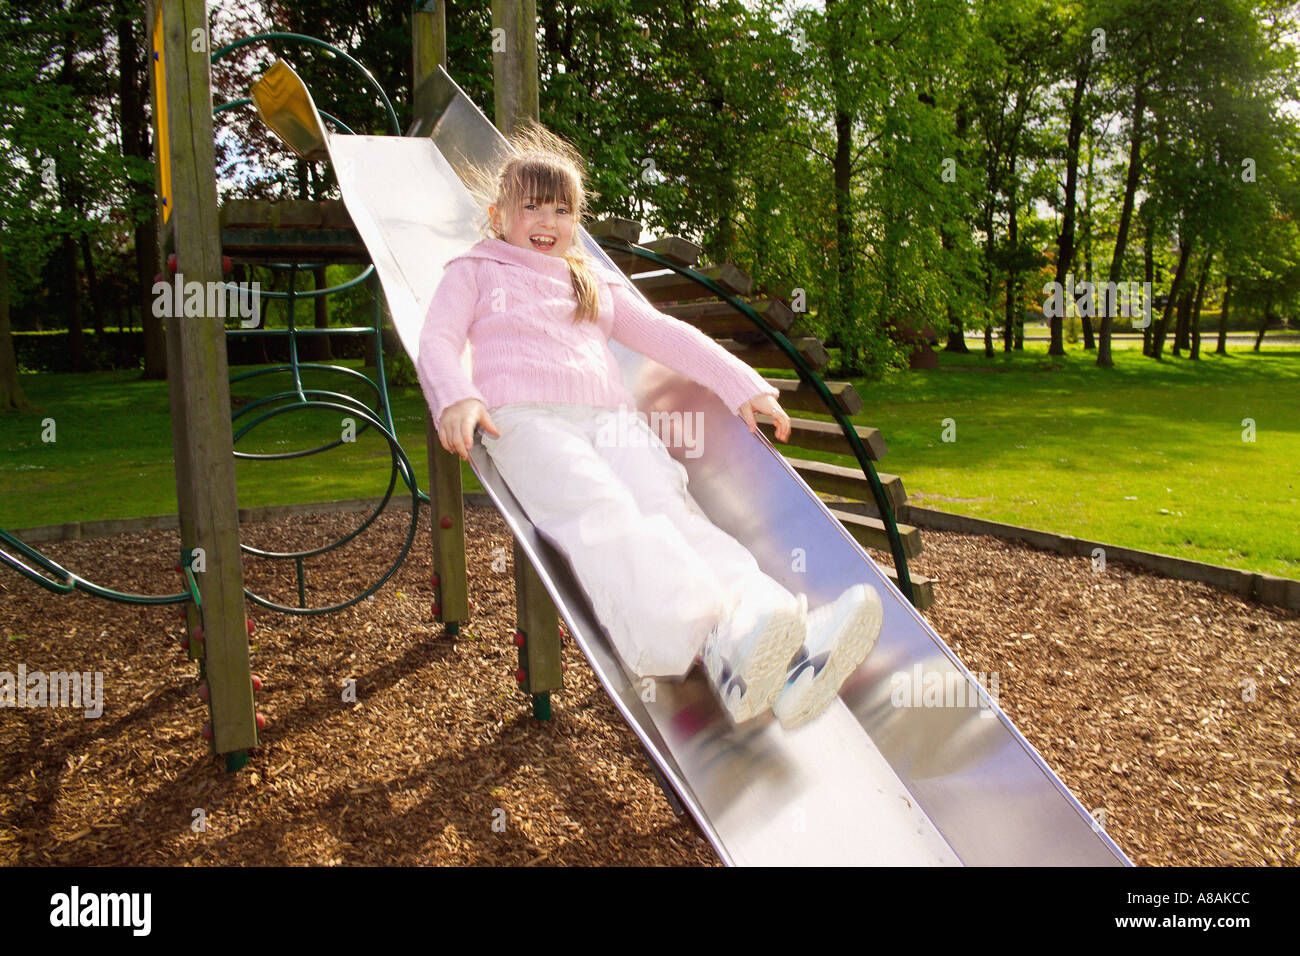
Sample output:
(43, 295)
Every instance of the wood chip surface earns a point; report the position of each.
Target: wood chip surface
(1169, 705)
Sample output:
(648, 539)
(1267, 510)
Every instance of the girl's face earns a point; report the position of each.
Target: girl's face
(546, 227)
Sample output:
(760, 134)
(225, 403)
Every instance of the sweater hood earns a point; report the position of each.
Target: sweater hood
(492, 249)
(498, 250)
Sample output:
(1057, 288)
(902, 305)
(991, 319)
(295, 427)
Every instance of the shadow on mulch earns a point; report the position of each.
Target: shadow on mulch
(1167, 704)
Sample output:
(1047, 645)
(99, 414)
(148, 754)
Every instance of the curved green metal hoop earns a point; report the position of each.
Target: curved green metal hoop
(401, 464)
(329, 48)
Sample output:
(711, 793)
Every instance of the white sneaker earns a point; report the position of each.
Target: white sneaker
(840, 635)
(746, 657)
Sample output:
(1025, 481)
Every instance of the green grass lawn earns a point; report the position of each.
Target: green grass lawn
(1143, 455)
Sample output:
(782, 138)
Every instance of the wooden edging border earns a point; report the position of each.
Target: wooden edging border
(1265, 588)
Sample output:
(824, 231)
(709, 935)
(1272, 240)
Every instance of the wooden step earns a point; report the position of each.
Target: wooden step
(797, 396)
(849, 483)
(766, 355)
(718, 318)
(628, 230)
(922, 588)
(284, 214)
(826, 436)
(673, 248)
(871, 533)
(672, 287)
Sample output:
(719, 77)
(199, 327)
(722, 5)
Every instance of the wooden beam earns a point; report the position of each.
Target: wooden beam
(847, 482)
(826, 436)
(796, 396)
(922, 588)
(428, 49)
(675, 288)
(539, 623)
(871, 533)
(767, 355)
(514, 63)
(447, 507)
(446, 498)
(200, 387)
(716, 317)
(612, 227)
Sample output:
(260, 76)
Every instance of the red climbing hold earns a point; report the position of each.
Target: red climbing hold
(519, 639)
(521, 675)
(248, 622)
(445, 522)
(171, 261)
(257, 684)
(434, 580)
(261, 722)
(226, 264)
(437, 609)
(207, 731)
(204, 693)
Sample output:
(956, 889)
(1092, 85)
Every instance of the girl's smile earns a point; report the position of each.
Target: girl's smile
(546, 227)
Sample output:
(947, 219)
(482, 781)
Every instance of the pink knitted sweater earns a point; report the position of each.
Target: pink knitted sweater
(514, 307)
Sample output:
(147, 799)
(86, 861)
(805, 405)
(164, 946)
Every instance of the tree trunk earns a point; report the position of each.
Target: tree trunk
(1126, 214)
(1088, 343)
(71, 303)
(92, 284)
(132, 93)
(1182, 323)
(1009, 316)
(1223, 317)
(1065, 243)
(1148, 270)
(956, 330)
(1195, 352)
(843, 183)
(988, 278)
(11, 393)
(956, 333)
(1263, 321)
(320, 347)
(1175, 289)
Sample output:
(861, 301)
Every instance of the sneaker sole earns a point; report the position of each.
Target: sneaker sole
(849, 652)
(765, 672)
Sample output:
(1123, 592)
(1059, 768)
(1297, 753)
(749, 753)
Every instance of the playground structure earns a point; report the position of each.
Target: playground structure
(979, 794)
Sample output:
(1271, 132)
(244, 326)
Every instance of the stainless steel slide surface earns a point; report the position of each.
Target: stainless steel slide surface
(914, 766)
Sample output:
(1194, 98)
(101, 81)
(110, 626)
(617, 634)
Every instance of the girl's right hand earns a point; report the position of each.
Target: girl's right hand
(456, 426)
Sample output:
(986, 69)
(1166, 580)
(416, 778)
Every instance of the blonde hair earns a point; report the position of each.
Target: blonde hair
(545, 168)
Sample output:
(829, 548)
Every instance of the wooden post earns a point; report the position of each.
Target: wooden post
(514, 63)
(539, 623)
(200, 386)
(446, 495)
(514, 78)
(428, 46)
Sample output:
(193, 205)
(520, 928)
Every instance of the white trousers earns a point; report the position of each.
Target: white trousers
(659, 574)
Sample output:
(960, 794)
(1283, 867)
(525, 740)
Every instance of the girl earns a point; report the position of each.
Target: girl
(667, 584)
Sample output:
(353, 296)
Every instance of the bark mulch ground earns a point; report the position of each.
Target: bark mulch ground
(1169, 705)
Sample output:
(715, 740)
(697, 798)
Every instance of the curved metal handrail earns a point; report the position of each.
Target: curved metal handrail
(806, 375)
(218, 53)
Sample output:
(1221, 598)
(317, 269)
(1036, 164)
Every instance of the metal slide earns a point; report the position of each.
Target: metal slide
(880, 778)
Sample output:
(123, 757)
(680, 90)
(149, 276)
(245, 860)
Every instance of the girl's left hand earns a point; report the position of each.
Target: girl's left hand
(768, 405)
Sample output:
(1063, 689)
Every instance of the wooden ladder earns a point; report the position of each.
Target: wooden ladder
(847, 490)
